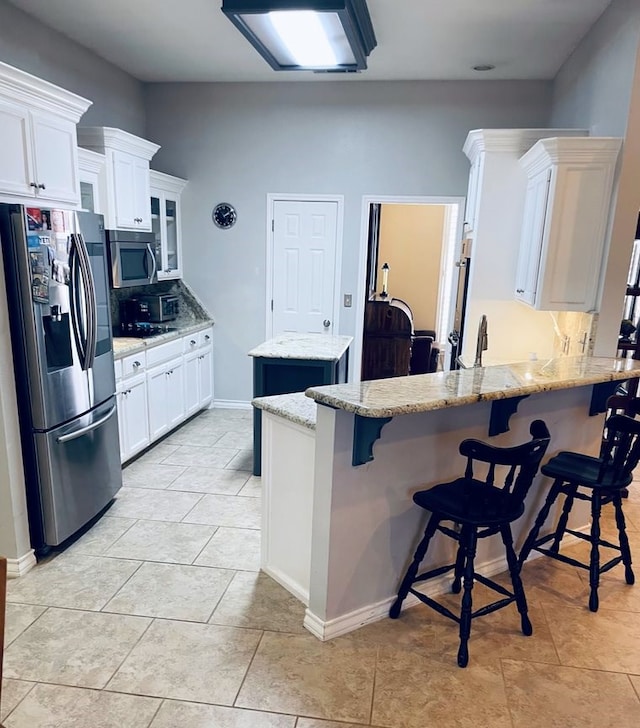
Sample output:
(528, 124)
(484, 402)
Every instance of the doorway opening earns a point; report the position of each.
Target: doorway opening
(419, 238)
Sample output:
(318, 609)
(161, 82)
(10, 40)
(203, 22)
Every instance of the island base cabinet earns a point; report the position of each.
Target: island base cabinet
(166, 397)
(133, 422)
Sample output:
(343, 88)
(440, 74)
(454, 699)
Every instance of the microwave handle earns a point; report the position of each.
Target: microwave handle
(153, 262)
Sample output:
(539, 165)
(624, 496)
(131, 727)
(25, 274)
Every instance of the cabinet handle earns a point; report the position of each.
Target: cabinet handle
(519, 290)
(206, 337)
(32, 184)
(136, 364)
(42, 187)
(193, 342)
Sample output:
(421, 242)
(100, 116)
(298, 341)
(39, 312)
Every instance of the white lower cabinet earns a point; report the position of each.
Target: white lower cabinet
(133, 421)
(159, 388)
(166, 397)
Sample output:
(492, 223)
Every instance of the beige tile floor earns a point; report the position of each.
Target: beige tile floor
(159, 617)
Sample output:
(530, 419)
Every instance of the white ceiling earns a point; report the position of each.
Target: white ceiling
(191, 40)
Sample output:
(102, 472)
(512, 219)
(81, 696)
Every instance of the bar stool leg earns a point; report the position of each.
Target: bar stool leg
(457, 580)
(539, 522)
(469, 538)
(412, 571)
(518, 589)
(624, 540)
(564, 518)
(594, 563)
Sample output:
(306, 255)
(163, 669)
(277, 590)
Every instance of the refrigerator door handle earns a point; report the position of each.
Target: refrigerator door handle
(83, 430)
(92, 314)
(76, 316)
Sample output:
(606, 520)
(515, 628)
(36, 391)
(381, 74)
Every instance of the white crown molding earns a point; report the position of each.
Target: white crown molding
(90, 161)
(166, 182)
(514, 141)
(105, 138)
(585, 150)
(36, 93)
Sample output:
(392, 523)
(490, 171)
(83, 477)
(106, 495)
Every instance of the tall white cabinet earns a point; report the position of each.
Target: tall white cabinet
(165, 222)
(565, 219)
(38, 146)
(128, 190)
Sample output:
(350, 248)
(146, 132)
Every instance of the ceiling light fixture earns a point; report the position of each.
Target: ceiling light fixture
(306, 35)
(484, 67)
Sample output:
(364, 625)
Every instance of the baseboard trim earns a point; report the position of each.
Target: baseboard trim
(231, 404)
(291, 586)
(374, 612)
(19, 567)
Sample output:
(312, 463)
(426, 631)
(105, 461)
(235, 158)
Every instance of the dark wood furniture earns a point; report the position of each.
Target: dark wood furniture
(479, 508)
(391, 347)
(597, 480)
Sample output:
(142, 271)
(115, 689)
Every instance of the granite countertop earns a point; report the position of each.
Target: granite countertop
(322, 347)
(294, 407)
(125, 345)
(424, 392)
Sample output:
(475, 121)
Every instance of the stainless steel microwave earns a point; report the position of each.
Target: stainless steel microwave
(134, 257)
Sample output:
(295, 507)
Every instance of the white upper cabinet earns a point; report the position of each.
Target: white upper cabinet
(564, 226)
(38, 148)
(91, 170)
(127, 205)
(166, 223)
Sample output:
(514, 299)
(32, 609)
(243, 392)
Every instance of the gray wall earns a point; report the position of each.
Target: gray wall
(239, 142)
(599, 88)
(35, 48)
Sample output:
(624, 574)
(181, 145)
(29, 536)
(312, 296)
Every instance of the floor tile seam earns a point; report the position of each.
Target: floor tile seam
(207, 492)
(246, 672)
(15, 707)
(213, 611)
(131, 525)
(44, 609)
(633, 687)
(506, 694)
(548, 625)
(373, 685)
(126, 657)
(161, 702)
(602, 609)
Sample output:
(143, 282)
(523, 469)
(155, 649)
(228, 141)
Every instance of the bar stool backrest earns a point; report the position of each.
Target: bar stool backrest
(522, 461)
(620, 450)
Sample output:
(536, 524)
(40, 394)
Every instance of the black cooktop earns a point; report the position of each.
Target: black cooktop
(142, 329)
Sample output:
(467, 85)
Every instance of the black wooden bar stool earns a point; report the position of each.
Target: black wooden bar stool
(601, 481)
(481, 509)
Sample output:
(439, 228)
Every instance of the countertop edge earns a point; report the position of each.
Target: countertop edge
(407, 407)
(291, 407)
(151, 341)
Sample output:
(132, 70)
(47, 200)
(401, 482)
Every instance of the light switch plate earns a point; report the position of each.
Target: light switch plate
(347, 300)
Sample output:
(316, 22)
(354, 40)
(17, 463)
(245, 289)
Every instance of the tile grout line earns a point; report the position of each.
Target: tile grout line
(246, 672)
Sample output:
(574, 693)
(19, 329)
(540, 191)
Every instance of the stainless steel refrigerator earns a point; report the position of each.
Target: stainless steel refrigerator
(55, 265)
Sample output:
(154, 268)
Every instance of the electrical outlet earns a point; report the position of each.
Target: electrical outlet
(347, 300)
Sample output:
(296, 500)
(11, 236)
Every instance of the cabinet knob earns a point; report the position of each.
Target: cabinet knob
(206, 337)
(193, 342)
(326, 323)
(32, 184)
(42, 187)
(136, 364)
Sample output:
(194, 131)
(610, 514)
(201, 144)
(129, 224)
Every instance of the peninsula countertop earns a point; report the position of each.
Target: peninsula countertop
(320, 347)
(425, 392)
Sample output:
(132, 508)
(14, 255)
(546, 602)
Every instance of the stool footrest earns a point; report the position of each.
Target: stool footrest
(434, 572)
(435, 605)
(494, 606)
(587, 537)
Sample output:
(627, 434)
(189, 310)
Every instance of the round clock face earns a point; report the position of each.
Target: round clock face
(224, 215)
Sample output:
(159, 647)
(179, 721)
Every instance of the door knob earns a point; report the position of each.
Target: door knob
(326, 323)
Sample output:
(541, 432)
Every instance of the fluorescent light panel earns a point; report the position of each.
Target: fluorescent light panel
(317, 35)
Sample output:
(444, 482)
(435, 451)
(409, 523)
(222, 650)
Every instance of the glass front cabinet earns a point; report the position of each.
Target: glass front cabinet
(165, 222)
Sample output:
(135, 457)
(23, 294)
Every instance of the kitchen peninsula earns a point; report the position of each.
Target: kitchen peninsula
(375, 443)
(291, 362)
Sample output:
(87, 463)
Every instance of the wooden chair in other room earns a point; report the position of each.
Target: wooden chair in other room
(480, 508)
(597, 480)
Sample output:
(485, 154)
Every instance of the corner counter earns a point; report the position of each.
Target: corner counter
(125, 345)
(350, 515)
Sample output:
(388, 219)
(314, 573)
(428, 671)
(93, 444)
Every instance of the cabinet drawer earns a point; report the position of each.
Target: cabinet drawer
(207, 337)
(191, 342)
(133, 364)
(164, 352)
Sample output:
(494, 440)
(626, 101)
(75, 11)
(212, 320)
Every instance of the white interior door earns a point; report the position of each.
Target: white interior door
(304, 266)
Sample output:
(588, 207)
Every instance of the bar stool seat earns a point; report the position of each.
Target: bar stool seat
(478, 509)
(600, 481)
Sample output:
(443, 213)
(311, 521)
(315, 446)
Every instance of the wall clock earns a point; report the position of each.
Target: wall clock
(224, 215)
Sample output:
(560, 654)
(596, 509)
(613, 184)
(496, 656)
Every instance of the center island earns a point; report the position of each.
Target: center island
(339, 525)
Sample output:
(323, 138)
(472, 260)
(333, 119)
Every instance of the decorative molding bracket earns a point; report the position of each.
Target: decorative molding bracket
(366, 430)
(501, 411)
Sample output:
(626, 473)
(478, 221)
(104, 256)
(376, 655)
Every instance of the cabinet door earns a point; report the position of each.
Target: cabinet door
(16, 171)
(137, 423)
(120, 404)
(473, 194)
(192, 383)
(531, 240)
(175, 394)
(172, 267)
(157, 393)
(124, 183)
(56, 158)
(141, 193)
(205, 372)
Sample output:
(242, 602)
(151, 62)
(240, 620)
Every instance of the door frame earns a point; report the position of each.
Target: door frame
(272, 198)
(367, 200)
